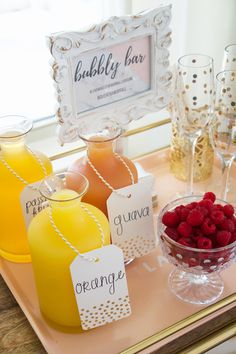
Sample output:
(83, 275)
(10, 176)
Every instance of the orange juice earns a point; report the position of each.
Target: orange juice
(51, 256)
(101, 154)
(13, 238)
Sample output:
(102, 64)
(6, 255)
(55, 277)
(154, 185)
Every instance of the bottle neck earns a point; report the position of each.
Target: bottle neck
(64, 201)
(100, 150)
(13, 145)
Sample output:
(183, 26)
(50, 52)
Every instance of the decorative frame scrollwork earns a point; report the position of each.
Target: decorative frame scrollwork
(64, 45)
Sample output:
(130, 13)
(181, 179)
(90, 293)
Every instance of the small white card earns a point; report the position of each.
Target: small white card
(100, 287)
(131, 219)
(32, 202)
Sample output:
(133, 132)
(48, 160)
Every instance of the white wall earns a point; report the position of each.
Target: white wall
(200, 26)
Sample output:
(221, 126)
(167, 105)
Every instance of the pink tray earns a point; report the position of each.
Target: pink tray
(154, 308)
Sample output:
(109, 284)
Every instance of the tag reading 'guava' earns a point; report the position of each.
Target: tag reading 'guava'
(100, 287)
(131, 219)
(32, 202)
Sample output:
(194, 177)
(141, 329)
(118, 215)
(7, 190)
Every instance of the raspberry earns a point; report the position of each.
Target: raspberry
(234, 221)
(210, 195)
(228, 210)
(170, 218)
(213, 240)
(184, 229)
(184, 213)
(195, 217)
(192, 205)
(204, 243)
(196, 233)
(178, 209)
(206, 203)
(218, 207)
(186, 242)
(233, 237)
(217, 216)
(207, 227)
(203, 210)
(227, 225)
(223, 237)
(172, 233)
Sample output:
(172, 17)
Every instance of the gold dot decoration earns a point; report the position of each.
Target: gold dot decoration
(137, 247)
(108, 313)
(203, 158)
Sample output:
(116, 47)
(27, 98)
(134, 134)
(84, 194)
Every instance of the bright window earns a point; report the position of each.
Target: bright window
(25, 84)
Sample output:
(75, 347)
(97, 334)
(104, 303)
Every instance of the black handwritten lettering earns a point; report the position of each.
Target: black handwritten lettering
(98, 66)
(131, 216)
(100, 282)
(118, 222)
(77, 76)
(133, 59)
(78, 288)
(111, 280)
(86, 286)
(94, 283)
(33, 206)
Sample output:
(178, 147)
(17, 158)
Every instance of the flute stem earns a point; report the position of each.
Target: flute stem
(226, 167)
(192, 145)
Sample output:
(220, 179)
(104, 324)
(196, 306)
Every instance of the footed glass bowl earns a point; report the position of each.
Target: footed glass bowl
(196, 277)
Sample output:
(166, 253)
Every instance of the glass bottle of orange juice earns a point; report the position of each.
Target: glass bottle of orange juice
(105, 169)
(78, 223)
(19, 166)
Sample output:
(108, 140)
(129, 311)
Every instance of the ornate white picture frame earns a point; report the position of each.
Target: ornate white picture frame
(118, 68)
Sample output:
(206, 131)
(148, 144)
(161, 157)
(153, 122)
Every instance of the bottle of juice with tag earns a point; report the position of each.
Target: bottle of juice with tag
(104, 169)
(19, 166)
(56, 236)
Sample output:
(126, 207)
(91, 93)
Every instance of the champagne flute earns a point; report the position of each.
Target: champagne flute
(223, 129)
(195, 102)
(229, 60)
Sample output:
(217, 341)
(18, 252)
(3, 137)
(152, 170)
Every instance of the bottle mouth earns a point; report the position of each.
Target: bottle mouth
(99, 130)
(14, 126)
(64, 187)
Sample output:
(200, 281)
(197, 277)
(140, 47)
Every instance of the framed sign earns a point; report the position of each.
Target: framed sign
(118, 69)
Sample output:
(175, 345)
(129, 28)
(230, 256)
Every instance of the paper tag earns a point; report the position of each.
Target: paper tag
(131, 219)
(100, 287)
(32, 202)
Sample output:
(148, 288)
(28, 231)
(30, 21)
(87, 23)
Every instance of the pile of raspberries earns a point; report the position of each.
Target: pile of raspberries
(202, 224)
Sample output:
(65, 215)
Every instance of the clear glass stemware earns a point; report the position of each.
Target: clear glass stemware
(223, 129)
(195, 277)
(195, 101)
(229, 60)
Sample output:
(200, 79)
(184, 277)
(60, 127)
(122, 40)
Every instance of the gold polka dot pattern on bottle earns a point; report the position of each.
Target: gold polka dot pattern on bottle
(107, 312)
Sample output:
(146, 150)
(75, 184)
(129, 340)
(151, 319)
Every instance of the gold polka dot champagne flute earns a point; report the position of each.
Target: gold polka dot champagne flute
(229, 60)
(223, 129)
(195, 101)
